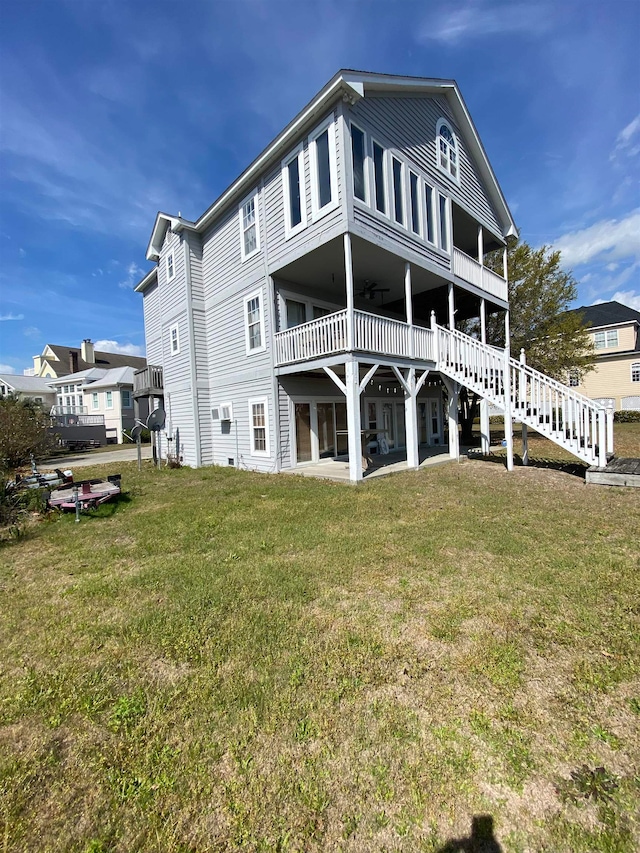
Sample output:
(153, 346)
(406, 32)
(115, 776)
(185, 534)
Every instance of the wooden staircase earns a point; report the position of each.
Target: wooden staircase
(569, 419)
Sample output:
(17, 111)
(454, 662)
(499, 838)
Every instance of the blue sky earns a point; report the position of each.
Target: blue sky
(113, 109)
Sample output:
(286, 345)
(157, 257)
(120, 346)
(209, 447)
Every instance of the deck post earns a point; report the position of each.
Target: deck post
(508, 414)
(485, 423)
(452, 307)
(348, 269)
(522, 407)
(610, 430)
(480, 247)
(453, 393)
(352, 383)
(602, 440)
(436, 340)
(411, 420)
(408, 303)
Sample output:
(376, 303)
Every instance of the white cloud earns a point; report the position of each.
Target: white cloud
(11, 317)
(628, 140)
(134, 274)
(22, 253)
(6, 368)
(614, 239)
(626, 297)
(122, 349)
(476, 19)
(32, 332)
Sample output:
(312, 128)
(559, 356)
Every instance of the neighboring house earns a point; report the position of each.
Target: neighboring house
(97, 396)
(56, 361)
(27, 387)
(310, 312)
(615, 332)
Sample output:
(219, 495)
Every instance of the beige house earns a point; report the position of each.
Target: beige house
(615, 331)
(27, 387)
(56, 361)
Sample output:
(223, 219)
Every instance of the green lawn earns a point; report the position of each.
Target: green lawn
(232, 661)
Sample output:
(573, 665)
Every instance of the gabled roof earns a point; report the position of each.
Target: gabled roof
(90, 375)
(105, 360)
(607, 314)
(26, 384)
(111, 378)
(352, 85)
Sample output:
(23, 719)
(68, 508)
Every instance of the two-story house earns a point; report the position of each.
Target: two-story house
(614, 330)
(311, 311)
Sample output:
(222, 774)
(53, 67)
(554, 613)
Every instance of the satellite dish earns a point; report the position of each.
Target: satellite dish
(155, 421)
(135, 432)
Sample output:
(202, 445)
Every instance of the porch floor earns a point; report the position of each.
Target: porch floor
(338, 469)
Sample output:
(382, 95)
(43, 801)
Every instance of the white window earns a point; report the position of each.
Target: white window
(126, 399)
(444, 223)
(430, 231)
(109, 399)
(324, 179)
(379, 177)
(295, 210)
(258, 425)
(574, 381)
(358, 160)
(254, 323)
(249, 227)
(174, 339)
(635, 371)
(414, 203)
(95, 404)
(447, 149)
(604, 340)
(170, 266)
(398, 193)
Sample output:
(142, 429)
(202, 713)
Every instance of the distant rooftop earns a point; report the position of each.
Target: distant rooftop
(607, 313)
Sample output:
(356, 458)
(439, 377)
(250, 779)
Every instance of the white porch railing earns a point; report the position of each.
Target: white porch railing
(371, 334)
(470, 270)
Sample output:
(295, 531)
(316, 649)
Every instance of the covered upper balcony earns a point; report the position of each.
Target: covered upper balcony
(353, 296)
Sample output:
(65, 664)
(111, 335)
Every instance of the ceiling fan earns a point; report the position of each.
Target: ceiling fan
(370, 288)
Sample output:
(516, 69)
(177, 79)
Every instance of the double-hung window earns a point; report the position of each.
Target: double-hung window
(398, 194)
(295, 212)
(606, 339)
(249, 227)
(126, 399)
(94, 400)
(174, 339)
(379, 177)
(635, 371)
(258, 426)
(444, 223)
(414, 202)
(324, 178)
(170, 266)
(109, 399)
(254, 323)
(447, 150)
(430, 231)
(357, 152)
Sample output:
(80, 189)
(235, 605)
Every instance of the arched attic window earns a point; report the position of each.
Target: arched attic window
(447, 149)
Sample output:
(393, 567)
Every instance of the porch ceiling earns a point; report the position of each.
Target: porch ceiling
(321, 272)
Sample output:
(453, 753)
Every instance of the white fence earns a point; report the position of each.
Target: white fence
(470, 270)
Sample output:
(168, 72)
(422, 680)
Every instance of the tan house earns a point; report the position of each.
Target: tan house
(56, 361)
(615, 331)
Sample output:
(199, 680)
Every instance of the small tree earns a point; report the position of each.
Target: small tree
(23, 431)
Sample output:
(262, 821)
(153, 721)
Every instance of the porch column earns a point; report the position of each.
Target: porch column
(453, 393)
(522, 405)
(352, 383)
(480, 246)
(348, 270)
(408, 303)
(411, 420)
(508, 423)
(452, 307)
(504, 263)
(485, 424)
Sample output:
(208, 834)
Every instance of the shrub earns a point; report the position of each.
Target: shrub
(627, 416)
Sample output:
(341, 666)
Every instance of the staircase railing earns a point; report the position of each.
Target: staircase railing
(568, 418)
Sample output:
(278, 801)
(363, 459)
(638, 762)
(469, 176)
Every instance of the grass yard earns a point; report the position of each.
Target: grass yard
(232, 661)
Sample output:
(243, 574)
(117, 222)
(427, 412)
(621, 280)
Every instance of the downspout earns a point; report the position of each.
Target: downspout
(192, 352)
